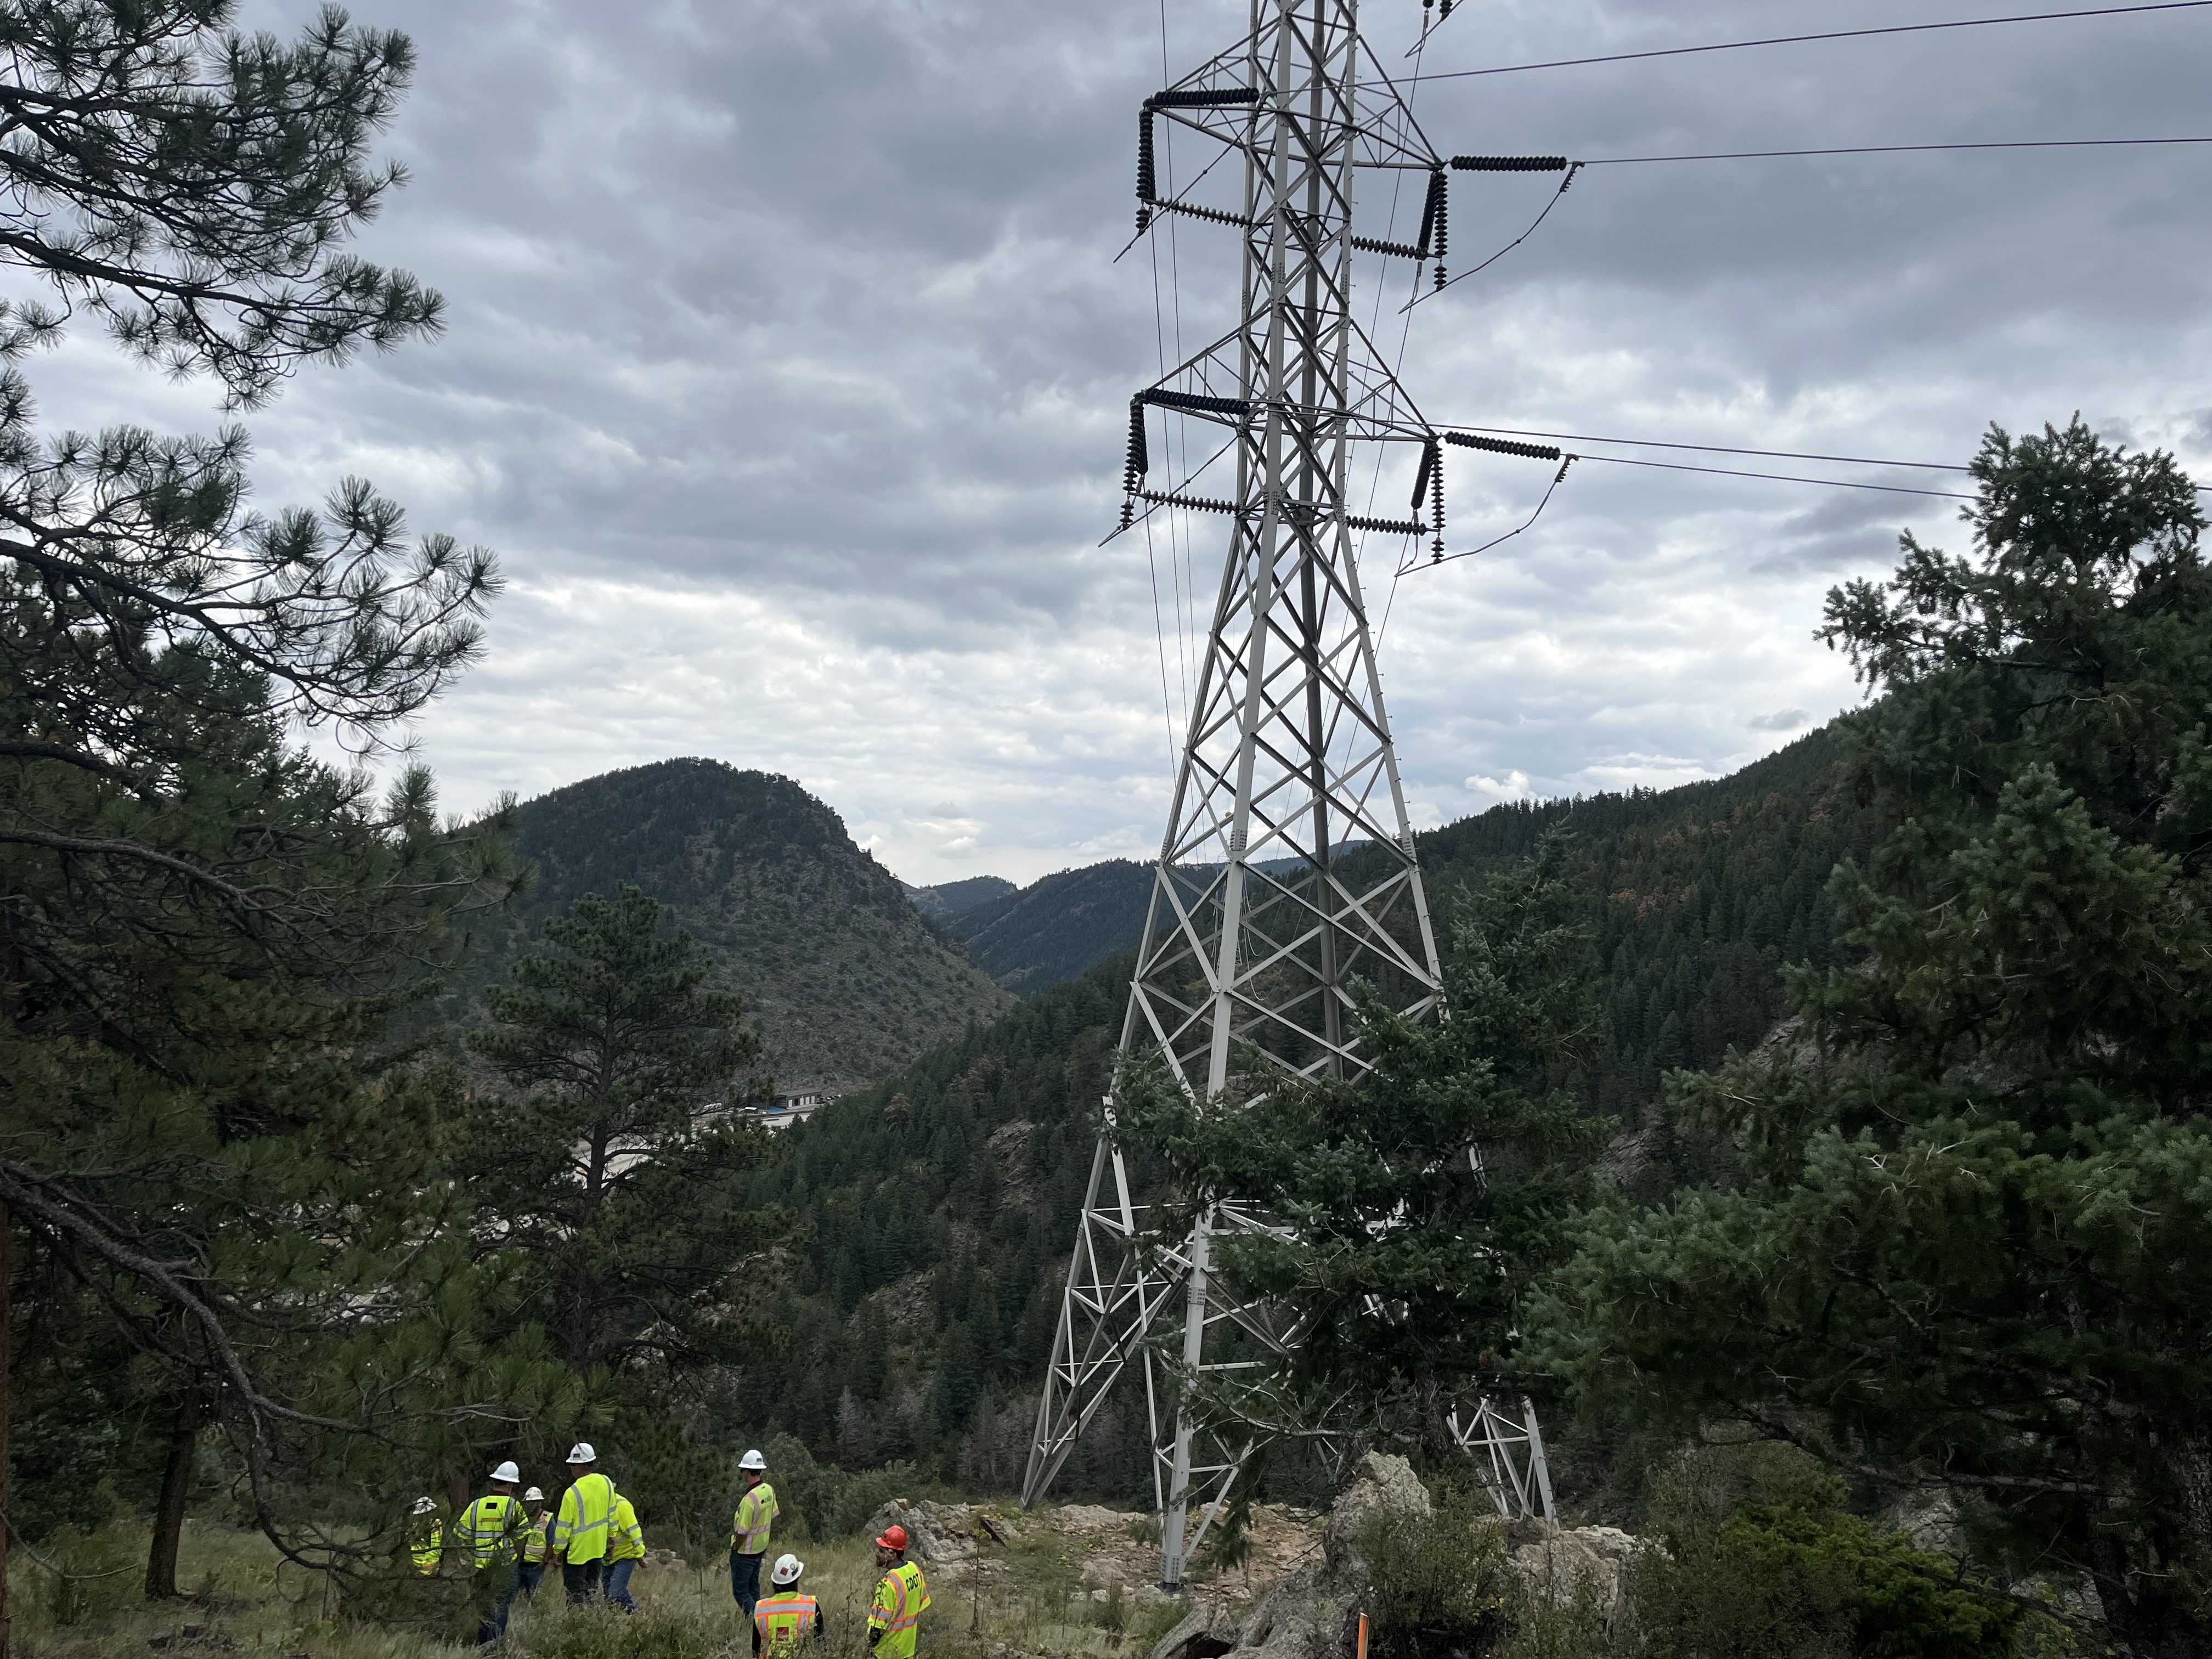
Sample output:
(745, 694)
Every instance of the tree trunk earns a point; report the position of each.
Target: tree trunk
(2146, 1621)
(176, 1492)
(7, 1322)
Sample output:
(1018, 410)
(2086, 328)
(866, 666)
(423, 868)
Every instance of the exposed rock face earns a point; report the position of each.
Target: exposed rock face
(1294, 1618)
(1305, 1613)
(1380, 1484)
(935, 1533)
(1557, 1563)
(1312, 1611)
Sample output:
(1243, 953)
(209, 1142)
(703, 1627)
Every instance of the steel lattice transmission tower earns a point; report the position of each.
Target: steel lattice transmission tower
(1288, 866)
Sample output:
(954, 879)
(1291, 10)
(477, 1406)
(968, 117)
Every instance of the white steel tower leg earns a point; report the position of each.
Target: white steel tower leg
(1288, 866)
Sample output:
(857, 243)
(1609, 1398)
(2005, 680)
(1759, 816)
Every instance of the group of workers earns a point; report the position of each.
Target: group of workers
(595, 1536)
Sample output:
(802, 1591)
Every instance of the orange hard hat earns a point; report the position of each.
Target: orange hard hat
(894, 1538)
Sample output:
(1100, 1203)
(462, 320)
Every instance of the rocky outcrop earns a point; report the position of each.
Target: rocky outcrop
(1312, 1611)
(1307, 1612)
(937, 1534)
(1561, 1563)
(1294, 1618)
(1381, 1484)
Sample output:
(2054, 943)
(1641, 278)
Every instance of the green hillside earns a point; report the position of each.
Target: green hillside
(1058, 927)
(943, 1202)
(843, 979)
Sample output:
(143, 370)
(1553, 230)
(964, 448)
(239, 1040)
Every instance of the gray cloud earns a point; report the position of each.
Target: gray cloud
(788, 364)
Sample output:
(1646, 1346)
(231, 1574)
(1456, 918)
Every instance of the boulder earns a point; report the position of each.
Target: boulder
(1559, 1563)
(1292, 1619)
(935, 1533)
(1209, 1630)
(1381, 1483)
(1295, 1620)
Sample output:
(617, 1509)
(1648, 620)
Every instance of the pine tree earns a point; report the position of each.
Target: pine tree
(1968, 1254)
(600, 1162)
(200, 930)
(1419, 1202)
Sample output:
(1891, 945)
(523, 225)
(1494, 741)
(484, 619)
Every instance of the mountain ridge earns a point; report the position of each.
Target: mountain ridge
(841, 975)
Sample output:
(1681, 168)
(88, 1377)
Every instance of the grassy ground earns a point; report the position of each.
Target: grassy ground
(1029, 1600)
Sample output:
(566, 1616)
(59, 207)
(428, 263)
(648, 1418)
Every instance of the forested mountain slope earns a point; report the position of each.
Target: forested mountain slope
(1058, 927)
(942, 1203)
(950, 898)
(843, 979)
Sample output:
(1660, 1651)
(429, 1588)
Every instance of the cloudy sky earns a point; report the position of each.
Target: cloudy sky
(788, 367)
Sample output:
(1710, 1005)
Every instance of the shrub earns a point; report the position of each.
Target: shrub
(1436, 1586)
(1796, 1578)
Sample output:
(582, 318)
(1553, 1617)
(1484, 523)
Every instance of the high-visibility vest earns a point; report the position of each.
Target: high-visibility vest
(785, 1620)
(487, 1529)
(756, 1514)
(427, 1547)
(536, 1546)
(587, 1509)
(900, 1600)
(625, 1538)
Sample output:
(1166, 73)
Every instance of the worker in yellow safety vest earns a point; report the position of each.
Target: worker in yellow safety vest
(787, 1619)
(490, 1530)
(749, 1531)
(536, 1546)
(901, 1598)
(625, 1549)
(581, 1528)
(426, 1536)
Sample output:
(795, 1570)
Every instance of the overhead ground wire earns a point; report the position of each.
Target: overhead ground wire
(1782, 478)
(1828, 35)
(1713, 449)
(1892, 149)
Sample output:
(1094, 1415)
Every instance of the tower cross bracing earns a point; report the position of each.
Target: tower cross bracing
(1288, 866)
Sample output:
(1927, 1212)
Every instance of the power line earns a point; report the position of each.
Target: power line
(1705, 449)
(1720, 449)
(1780, 477)
(1896, 149)
(1832, 34)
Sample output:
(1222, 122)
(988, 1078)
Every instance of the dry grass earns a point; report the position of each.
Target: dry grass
(1029, 1600)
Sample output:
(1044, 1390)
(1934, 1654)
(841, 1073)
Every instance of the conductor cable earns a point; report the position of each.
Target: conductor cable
(1828, 35)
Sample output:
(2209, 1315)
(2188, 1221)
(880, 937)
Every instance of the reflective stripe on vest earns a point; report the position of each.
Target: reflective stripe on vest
(914, 1598)
(626, 1539)
(900, 1600)
(428, 1548)
(483, 1527)
(579, 1531)
(535, 1545)
(784, 1621)
(756, 1513)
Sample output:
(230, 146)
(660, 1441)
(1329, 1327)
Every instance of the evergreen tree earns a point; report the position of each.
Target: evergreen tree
(206, 1161)
(601, 1163)
(1419, 1203)
(1968, 1253)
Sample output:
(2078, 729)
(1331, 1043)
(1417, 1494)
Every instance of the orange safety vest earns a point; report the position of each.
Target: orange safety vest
(785, 1622)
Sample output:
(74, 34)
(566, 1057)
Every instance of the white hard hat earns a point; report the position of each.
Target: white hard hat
(424, 1505)
(506, 1472)
(786, 1570)
(581, 1452)
(533, 1496)
(752, 1460)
